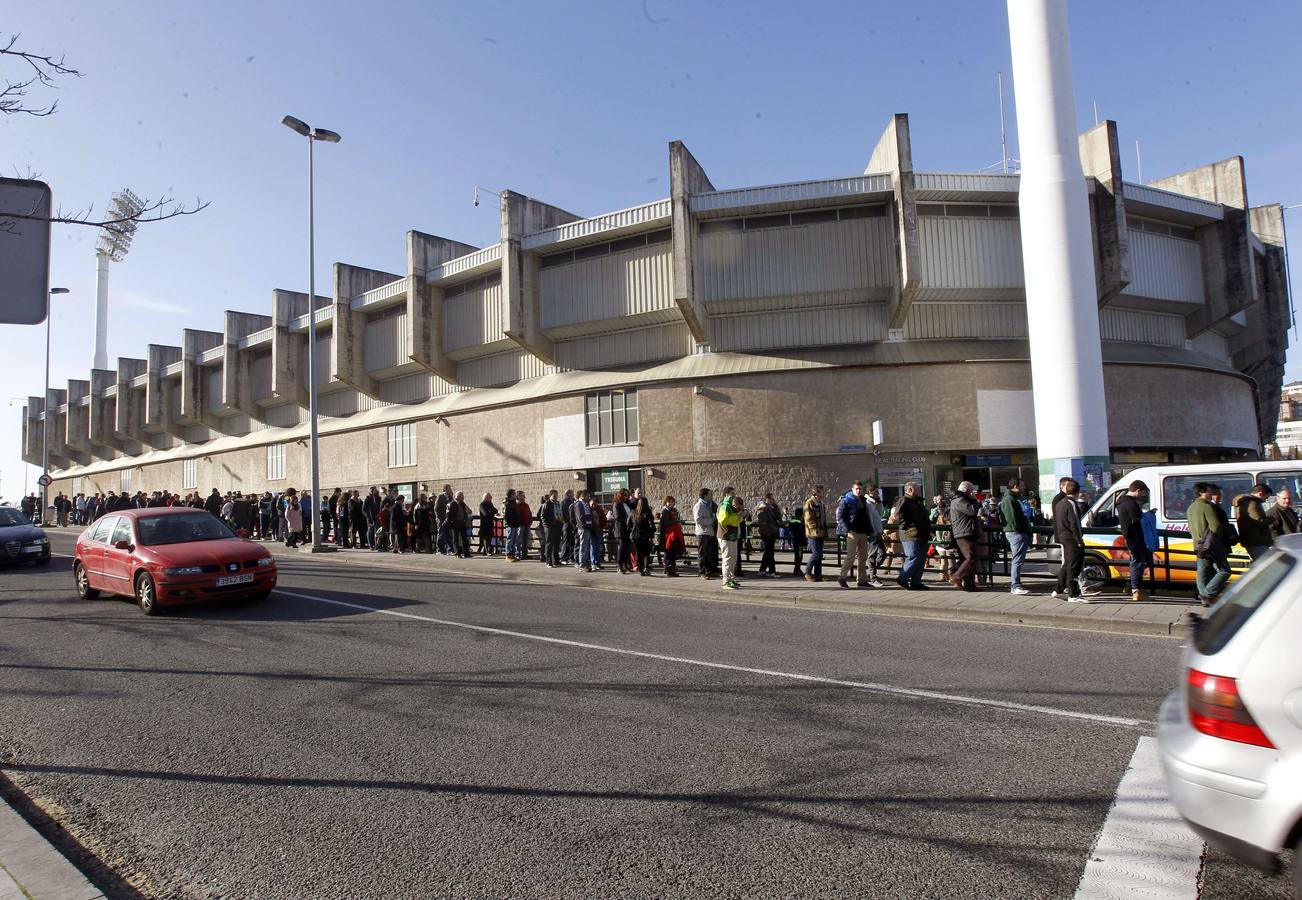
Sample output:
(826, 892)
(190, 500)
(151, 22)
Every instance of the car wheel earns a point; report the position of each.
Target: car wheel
(146, 594)
(84, 590)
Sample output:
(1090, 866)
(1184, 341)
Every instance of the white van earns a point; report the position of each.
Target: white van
(1171, 490)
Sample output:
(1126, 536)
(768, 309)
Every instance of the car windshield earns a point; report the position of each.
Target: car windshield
(181, 529)
(1243, 599)
(10, 516)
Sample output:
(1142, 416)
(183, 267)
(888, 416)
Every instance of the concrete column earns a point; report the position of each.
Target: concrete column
(523, 215)
(237, 364)
(1100, 156)
(129, 412)
(1071, 423)
(101, 418)
(77, 429)
(686, 177)
(287, 381)
(1260, 349)
(158, 392)
(894, 154)
(32, 413)
(425, 301)
(58, 436)
(194, 378)
(1228, 283)
(348, 359)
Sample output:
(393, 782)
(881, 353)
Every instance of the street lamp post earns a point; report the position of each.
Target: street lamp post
(45, 418)
(313, 135)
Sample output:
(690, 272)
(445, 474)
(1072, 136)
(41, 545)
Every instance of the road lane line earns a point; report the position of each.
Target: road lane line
(871, 687)
(1144, 848)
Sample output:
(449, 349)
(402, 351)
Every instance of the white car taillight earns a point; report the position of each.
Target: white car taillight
(1216, 709)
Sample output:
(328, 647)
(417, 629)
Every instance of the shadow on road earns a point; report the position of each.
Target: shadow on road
(113, 885)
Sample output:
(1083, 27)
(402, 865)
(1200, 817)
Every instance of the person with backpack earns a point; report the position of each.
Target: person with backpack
(859, 522)
(815, 517)
(551, 522)
(583, 528)
(1017, 531)
(1130, 519)
(672, 542)
(913, 531)
(1254, 527)
(707, 547)
(1209, 528)
(729, 533)
(767, 516)
(642, 530)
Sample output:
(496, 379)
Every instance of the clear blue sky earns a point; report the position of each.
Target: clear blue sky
(573, 103)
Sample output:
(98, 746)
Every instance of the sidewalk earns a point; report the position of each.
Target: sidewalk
(1108, 613)
(31, 869)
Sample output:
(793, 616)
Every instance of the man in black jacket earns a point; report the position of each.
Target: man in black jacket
(1282, 517)
(214, 503)
(1130, 519)
(1067, 533)
(567, 528)
(964, 530)
(551, 521)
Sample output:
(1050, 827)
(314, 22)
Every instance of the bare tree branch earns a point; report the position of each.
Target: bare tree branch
(44, 69)
(153, 211)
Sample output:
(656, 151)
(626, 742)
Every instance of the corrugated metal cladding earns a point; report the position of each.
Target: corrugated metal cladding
(1138, 326)
(286, 415)
(850, 258)
(213, 390)
(1214, 345)
(387, 334)
(607, 287)
(499, 369)
(623, 348)
(1143, 193)
(937, 321)
(414, 388)
(971, 254)
(816, 327)
(323, 350)
(261, 369)
(474, 317)
(1165, 268)
(338, 403)
(655, 211)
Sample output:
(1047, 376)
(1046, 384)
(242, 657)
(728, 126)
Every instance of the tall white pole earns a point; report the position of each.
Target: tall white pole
(1071, 422)
(45, 423)
(311, 356)
(101, 309)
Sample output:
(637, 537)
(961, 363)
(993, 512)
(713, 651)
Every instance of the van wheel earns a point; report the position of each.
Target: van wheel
(84, 590)
(1096, 570)
(146, 594)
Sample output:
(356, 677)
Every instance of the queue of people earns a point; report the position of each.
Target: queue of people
(958, 537)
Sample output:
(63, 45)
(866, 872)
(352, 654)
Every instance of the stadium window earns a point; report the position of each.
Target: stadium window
(402, 445)
(275, 462)
(189, 473)
(611, 418)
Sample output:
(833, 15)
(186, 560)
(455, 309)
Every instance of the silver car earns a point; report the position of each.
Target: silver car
(1231, 734)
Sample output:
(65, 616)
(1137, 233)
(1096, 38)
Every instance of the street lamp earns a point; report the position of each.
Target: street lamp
(313, 135)
(45, 405)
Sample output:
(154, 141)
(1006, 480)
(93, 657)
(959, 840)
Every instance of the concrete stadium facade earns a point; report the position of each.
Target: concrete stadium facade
(748, 336)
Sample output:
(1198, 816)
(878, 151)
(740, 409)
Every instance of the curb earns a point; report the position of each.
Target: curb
(806, 601)
(30, 867)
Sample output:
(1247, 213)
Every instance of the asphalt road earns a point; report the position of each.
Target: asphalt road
(304, 748)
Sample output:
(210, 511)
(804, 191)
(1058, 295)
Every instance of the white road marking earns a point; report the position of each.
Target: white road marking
(1144, 849)
(771, 673)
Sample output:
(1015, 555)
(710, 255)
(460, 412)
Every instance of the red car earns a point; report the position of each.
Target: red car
(167, 557)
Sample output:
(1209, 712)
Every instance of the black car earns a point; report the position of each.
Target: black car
(20, 540)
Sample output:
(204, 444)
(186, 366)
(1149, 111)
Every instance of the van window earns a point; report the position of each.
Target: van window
(1243, 599)
(1178, 492)
(1280, 480)
(1105, 514)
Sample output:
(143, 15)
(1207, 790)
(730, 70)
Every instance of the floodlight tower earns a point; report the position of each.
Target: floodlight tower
(112, 246)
